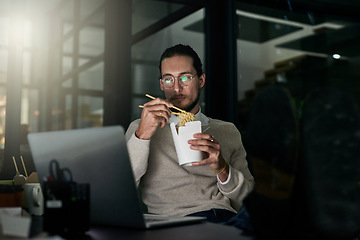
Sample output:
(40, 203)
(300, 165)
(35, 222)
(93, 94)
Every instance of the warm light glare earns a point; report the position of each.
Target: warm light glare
(336, 56)
(2, 101)
(17, 31)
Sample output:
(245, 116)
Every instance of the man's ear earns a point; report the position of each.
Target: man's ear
(202, 80)
(161, 86)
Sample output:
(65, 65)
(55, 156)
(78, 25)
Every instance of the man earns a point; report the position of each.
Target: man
(213, 187)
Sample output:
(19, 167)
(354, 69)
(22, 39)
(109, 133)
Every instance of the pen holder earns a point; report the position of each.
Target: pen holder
(67, 208)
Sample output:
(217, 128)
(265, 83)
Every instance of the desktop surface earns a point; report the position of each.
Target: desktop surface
(197, 231)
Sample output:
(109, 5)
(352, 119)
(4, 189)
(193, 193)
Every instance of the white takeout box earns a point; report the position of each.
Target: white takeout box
(14, 222)
(185, 154)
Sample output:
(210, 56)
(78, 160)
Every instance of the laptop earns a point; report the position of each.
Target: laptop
(99, 156)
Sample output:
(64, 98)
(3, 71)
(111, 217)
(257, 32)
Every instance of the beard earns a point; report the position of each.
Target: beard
(189, 106)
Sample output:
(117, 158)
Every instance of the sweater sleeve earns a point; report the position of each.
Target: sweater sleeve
(138, 151)
(241, 182)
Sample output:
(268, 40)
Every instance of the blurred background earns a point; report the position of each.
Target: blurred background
(67, 64)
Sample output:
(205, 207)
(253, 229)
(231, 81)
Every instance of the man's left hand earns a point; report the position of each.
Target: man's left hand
(212, 150)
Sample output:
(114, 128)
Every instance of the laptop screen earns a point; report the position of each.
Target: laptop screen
(97, 156)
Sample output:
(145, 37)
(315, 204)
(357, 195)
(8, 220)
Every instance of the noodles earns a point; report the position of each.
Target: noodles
(183, 115)
(186, 117)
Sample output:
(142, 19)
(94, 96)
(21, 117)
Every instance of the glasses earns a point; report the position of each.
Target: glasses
(184, 80)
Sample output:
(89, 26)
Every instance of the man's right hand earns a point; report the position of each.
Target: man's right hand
(155, 113)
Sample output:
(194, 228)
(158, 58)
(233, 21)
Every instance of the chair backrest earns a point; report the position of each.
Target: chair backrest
(330, 166)
(271, 141)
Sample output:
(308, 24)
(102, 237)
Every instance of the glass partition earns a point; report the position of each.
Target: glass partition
(51, 53)
(146, 53)
(300, 48)
(299, 102)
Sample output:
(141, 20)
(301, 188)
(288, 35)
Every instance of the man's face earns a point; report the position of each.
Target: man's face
(184, 97)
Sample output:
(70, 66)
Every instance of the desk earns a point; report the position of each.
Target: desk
(198, 231)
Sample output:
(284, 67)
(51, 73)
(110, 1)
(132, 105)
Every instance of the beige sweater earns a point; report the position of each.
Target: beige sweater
(170, 189)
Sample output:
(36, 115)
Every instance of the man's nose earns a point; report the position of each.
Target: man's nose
(177, 86)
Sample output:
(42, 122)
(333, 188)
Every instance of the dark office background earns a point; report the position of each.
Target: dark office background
(68, 64)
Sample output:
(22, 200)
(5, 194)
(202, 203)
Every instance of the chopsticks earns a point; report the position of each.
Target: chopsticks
(179, 109)
(22, 160)
(176, 113)
(16, 168)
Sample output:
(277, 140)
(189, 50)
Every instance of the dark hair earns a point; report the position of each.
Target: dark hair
(183, 50)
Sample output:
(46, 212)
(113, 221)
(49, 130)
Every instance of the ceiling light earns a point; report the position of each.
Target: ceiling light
(336, 56)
